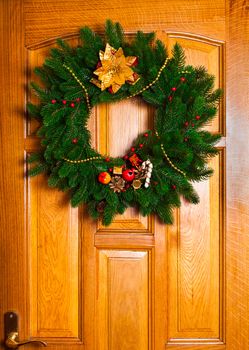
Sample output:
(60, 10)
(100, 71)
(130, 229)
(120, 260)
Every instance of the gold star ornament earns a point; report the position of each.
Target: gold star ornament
(114, 69)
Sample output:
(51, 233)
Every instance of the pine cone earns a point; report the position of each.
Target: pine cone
(117, 184)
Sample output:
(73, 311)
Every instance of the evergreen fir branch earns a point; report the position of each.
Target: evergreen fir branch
(114, 34)
(179, 98)
(80, 196)
(34, 157)
(40, 168)
(178, 56)
(43, 95)
(34, 110)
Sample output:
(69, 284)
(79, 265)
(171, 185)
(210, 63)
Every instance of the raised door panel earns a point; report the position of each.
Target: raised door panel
(54, 241)
(196, 296)
(118, 125)
(54, 233)
(123, 300)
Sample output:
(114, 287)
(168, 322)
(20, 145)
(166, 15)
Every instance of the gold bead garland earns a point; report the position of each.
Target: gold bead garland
(168, 159)
(81, 84)
(89, 106)
(153, 82)
(134, 94)
(82, 160)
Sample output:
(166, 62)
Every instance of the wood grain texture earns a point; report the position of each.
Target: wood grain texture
(237, 242)
(191, 252)
(13, 247)
(123, 303)
(55, 263)
(118, 125)
(196, 278)
(201, 51)
(43, 19)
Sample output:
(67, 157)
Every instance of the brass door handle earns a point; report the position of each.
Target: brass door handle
(12, 341)
(12, 335)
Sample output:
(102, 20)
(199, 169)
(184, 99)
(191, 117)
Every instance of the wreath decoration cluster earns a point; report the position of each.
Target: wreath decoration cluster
(162, 164)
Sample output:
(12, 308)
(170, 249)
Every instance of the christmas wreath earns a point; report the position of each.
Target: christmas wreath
(162, 163)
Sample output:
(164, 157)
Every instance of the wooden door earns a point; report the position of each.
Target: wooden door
(137, 284)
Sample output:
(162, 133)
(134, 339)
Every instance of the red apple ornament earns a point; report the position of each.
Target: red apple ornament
(104, 178)
(128, 175)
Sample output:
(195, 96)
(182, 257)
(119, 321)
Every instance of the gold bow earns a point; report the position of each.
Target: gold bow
(114, 70)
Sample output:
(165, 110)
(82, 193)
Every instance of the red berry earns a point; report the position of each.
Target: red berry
(72, 105)
(75, 140)
(107, 159)
(197, 117)
(183, 79)
(173, 187)
(141, 145)
(110, 90)
(146, 134)
(186, 124)
(186, 139)
(53, 101)
(125, 157)
(64, 102)
(193, 124)
(133, 149)
(77, 99)
(110, 170)
(173, 88)
(170, 98)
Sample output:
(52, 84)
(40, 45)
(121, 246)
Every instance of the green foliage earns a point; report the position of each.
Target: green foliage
(185, 102)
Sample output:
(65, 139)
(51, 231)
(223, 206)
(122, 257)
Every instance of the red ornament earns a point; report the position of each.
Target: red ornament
(146, 134)
(173, 88)
(72, 105)
(173, 187)
(186, 124)
(107, 159)
(170, 98)
(128, 175)
(75, 140)
(135, 160)
(64, 102)
(183, 79)
(141, 145)
(104, 178)
(53, 101)
(197, 117)
(132, 149)
(125, 157)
